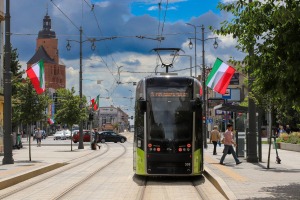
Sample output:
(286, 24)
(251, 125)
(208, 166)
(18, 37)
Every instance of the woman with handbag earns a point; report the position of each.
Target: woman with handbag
(228, 142)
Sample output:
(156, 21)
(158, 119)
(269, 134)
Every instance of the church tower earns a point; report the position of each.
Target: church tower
(47, 49)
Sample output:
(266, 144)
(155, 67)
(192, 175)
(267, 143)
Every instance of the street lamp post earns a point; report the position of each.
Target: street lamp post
(203, 81)
(191, 46)
(251, 134)
(8, 157)
(93, 47)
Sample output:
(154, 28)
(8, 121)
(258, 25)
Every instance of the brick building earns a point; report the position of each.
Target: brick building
(47, 49)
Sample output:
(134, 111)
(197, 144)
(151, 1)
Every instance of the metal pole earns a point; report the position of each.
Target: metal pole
(7, 128)
(191, 73)
(251, 140)
(204, 90)
(195, 51)
(80, 145)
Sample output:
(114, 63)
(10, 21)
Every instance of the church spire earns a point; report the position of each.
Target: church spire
(46, 32)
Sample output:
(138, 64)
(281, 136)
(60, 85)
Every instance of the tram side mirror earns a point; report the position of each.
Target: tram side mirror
(195, 104)
(142, 105)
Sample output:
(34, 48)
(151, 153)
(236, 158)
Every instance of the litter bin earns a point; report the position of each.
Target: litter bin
(241, 144)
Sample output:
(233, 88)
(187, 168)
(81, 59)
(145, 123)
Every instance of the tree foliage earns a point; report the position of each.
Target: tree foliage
(69, 111)
(272, 30)
(15, 67)
(27, 105)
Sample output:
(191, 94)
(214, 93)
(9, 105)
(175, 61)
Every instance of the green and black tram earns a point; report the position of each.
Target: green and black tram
(168, 137)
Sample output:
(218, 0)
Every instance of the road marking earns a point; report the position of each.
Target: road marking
(226, 170)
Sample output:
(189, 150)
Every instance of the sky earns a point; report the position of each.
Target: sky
(134, 26)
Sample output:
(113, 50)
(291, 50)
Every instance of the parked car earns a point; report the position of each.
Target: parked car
(67, 133)
(86, 136)
(60, 135)
(110, 136)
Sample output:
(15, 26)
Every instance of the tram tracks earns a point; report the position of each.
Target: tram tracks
(174, 187)
(29, 183)
(39, 185)
(86, 178)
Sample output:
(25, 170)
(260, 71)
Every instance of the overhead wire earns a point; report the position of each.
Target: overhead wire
(65, 15)
(101, 33)
(83, 32)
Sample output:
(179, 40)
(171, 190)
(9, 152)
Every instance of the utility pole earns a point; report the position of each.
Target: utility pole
(191, 45)
(204, 90)
(204, 114)
(92, 40)
(80, 145)
(8, 157)
(251, 134)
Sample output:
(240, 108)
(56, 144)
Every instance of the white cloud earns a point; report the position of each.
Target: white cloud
(114, 19)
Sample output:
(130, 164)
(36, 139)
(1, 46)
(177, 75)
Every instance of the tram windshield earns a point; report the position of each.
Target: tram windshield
(170, 117)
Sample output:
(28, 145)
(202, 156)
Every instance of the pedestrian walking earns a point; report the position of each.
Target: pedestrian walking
(228, 142)
(38, 136)
(215, 138)
(280, 130)
(96, 138)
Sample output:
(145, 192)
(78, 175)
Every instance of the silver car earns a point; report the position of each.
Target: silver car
(60, 135)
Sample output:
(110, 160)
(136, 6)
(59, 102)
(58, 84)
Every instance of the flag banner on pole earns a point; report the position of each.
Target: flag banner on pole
(95, 103)
(92, 103)
(37, 76)
(220, 76)
(50, 121)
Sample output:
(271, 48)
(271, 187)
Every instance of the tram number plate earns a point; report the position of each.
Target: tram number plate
(187, 164)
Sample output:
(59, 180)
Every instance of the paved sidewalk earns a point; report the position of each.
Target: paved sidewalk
(254, 180)
(49, 156)
(244, 181)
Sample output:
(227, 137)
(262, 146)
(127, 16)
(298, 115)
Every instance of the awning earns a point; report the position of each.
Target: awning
(232, 108)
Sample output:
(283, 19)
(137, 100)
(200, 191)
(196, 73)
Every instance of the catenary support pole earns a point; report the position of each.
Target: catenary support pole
(8, 157)
(80, 145)
(251, 134)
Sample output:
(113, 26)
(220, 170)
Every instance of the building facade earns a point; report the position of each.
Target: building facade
(107, 116)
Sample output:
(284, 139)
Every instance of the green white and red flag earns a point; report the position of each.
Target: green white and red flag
(95, 103)
(36, 74)
(220, 76)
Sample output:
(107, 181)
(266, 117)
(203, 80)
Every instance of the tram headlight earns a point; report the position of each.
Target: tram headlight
(188, 149)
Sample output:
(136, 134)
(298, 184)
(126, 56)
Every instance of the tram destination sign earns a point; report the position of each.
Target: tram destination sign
(169, 94)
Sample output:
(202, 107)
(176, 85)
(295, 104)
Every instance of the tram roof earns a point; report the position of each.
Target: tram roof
(232, 108)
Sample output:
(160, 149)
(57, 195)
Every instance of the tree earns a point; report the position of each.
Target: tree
(15, 68)
(272, 30)
(28, 106)
(69, 111)
(16, 80)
